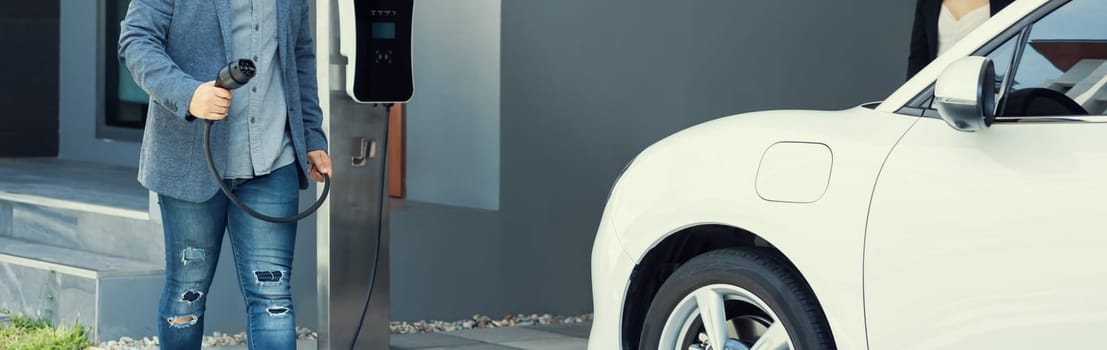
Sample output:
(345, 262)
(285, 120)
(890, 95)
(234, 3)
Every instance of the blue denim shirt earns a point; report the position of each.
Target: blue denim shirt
(258, 140)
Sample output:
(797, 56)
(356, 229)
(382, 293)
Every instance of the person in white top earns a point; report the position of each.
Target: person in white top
(952, 27)
(939, 24)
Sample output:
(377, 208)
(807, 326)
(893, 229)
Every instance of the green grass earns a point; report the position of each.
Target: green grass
(29, 334)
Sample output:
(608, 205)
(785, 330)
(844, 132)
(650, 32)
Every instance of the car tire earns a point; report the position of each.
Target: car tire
(756, 288)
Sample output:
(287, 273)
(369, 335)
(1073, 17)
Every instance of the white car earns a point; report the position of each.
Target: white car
(966, 211)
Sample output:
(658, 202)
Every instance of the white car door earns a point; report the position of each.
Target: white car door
(997, 239)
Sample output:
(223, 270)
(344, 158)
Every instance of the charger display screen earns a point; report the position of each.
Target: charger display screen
(384, 30)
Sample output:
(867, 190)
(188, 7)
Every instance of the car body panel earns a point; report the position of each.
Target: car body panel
(717, 165)
(609, 262)
(1009, 253)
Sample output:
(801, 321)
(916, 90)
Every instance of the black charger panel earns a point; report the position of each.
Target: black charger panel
(380, 68)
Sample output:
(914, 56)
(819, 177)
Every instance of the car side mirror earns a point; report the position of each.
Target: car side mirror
(965, 94)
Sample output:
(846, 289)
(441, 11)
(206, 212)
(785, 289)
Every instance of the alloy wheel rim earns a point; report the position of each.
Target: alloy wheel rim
(724, 317)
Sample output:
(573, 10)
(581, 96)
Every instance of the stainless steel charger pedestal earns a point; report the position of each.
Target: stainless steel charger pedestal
(353, 226)
(353, 243)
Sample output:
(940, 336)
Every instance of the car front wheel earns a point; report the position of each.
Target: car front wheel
(736, 299)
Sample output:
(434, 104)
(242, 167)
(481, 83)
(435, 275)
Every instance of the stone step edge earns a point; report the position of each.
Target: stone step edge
(74, 206)
(79, 271)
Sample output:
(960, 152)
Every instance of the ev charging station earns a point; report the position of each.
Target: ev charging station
(363, 52)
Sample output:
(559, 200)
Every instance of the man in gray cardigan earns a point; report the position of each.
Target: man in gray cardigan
(270, 141)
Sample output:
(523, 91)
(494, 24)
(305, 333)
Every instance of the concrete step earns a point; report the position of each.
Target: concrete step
(113, 296)
(83, 206)
(75, 185)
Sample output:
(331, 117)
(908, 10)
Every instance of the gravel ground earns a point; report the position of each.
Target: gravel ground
(477, 322)
(216, 339)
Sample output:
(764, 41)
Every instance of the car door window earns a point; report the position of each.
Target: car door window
(1062, 70)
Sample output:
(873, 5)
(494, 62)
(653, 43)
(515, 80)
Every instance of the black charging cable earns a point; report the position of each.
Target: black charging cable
(233, 76)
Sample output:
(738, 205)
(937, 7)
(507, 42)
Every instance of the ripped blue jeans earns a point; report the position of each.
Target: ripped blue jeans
(262, 254)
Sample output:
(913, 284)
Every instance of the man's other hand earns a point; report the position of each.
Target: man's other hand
(320, 165)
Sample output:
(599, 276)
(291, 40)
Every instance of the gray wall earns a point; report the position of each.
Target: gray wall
(449, 263)
(587, 84)
(79, 88)
(453, 145)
